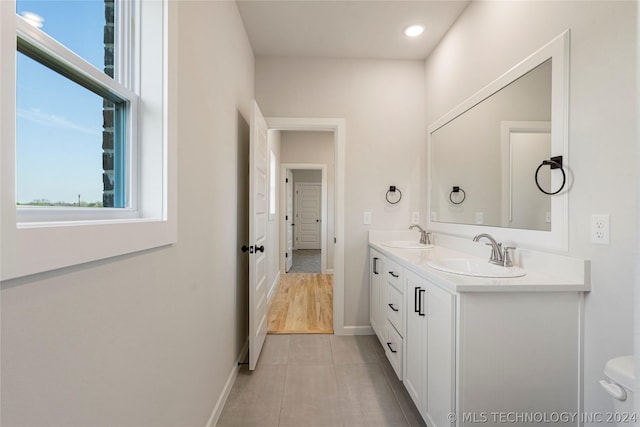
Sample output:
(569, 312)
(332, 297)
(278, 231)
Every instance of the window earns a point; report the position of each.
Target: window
(88, 164)
(272, 186)
(82, 146)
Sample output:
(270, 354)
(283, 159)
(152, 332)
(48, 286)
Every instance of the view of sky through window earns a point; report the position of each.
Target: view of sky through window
(58, 122)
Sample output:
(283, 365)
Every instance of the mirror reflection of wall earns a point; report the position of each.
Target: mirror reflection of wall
(468, 151)
(524, 146)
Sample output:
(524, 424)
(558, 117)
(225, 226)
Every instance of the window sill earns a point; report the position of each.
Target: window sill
(43, 215)
(76, 223)
(41, 247)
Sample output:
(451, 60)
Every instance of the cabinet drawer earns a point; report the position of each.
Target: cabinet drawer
(393, 349)
(393, 273)
(394, 308)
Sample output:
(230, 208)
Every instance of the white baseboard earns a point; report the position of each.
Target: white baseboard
(328, 271)
(217, 410)
(355, 330)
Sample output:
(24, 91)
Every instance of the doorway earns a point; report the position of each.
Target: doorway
(308, 220)
(303, 299)
(335, 242)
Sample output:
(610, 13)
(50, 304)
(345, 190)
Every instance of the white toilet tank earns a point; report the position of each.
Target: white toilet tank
(620, 385)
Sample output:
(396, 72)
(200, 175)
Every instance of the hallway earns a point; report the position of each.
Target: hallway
(319, 380)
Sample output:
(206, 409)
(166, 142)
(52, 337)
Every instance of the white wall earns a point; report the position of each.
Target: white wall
(491, 37)
(314, 147)
(150, 339)
(383, 105)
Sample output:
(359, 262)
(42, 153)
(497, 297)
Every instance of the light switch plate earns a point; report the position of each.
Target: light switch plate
(415, 217)
(366, 218)
(479, 218)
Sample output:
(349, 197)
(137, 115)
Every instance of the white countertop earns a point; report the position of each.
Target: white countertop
(547, 275)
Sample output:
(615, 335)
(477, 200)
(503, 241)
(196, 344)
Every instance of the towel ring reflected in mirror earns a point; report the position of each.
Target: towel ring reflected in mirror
(457, 190)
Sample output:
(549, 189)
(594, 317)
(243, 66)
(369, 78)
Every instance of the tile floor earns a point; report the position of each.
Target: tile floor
(320, 381)
(306, 261)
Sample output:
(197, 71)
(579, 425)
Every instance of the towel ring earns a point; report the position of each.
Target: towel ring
(553, 163)
(457, 190)
(393, 189)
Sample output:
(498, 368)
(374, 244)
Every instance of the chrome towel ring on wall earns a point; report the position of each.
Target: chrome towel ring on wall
(553, 163)
(457, 190)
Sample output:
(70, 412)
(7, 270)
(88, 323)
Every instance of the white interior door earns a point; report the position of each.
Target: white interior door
(308, 216)
(289, 220)
(258, 211)
(530, 208)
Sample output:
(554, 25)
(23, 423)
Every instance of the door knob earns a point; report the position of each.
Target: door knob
(246, 248)
(259, 249)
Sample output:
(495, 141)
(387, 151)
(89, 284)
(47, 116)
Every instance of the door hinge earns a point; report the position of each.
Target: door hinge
(286, 180)
(286, 254)
(335, 240)
(286, 217)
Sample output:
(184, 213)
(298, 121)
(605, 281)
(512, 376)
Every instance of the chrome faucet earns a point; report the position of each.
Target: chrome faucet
(425, 236)
(498, 255)
(496, 248)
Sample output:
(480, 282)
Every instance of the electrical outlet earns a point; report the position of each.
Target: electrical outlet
(479, 217)
(415, 217)
(600, 229)
(548, 217)
(434, 216)
(366, 218)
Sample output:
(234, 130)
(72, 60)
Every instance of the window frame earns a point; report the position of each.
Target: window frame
(34, 239)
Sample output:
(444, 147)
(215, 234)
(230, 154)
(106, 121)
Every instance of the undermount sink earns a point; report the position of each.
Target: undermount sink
(467, 267)
(406, 244)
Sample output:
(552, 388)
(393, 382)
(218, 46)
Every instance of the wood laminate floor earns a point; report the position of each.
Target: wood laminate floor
(303, 304)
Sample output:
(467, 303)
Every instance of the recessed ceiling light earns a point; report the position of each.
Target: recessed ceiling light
(414, 31)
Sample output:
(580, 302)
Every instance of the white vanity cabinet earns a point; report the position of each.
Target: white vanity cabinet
(429, 349)
(476, 350)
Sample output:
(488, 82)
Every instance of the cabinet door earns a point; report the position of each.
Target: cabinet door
(376, 281)
(440, 396)
(415, 340)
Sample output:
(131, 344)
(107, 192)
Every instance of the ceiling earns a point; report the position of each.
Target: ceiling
(346, 28)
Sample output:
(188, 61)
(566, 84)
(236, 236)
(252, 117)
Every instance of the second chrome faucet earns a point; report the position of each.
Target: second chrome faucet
(498, 255)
